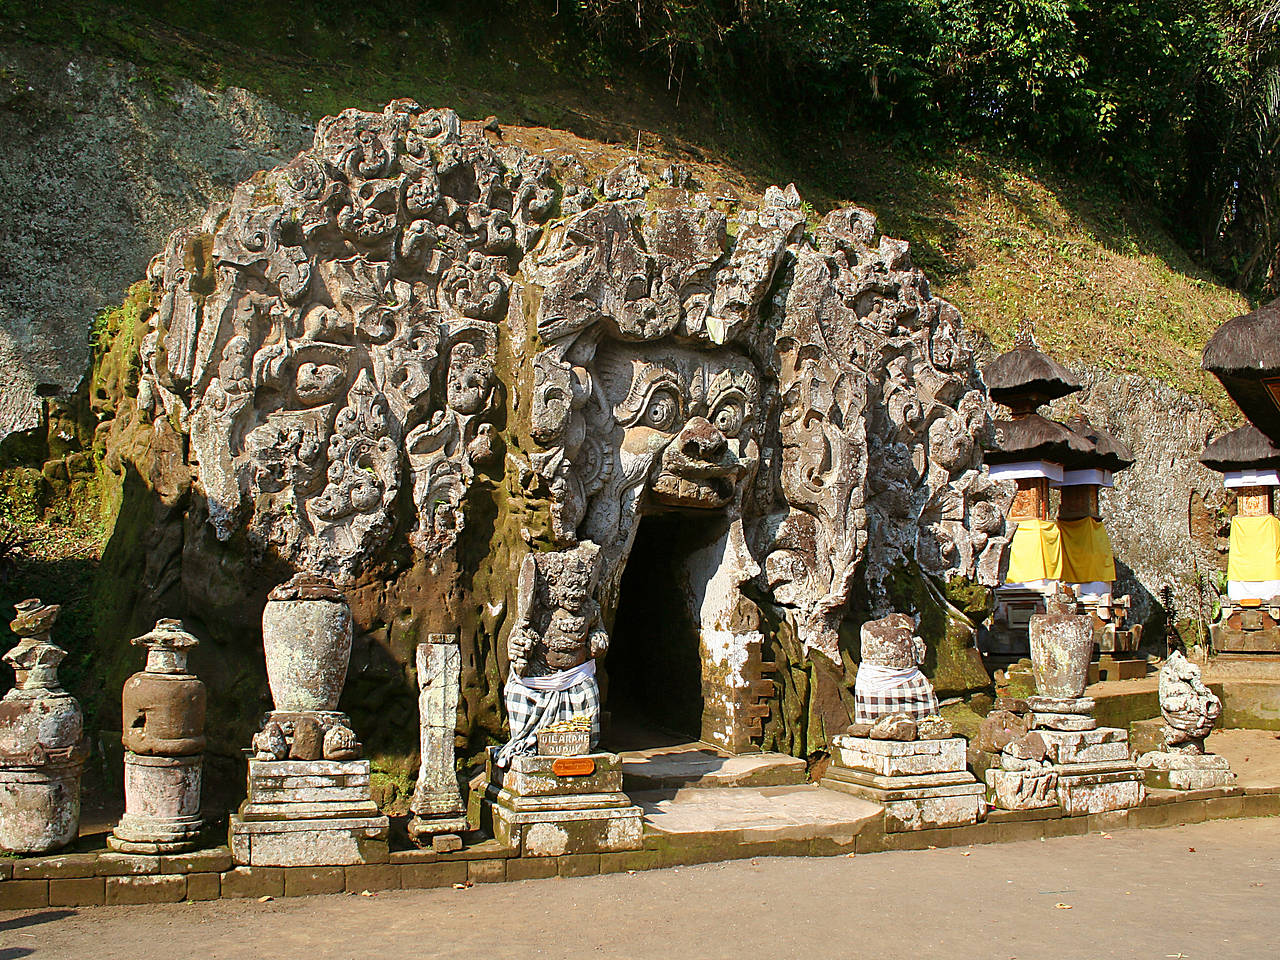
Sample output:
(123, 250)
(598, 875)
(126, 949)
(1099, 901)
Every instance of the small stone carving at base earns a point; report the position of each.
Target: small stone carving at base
(309, 802)
(899, 752)
(1190, 709)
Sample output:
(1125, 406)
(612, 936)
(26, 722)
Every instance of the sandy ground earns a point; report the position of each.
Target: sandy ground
(1254, 755)
(1203, 891)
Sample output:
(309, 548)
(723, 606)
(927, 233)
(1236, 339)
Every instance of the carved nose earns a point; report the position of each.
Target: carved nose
(699, 440)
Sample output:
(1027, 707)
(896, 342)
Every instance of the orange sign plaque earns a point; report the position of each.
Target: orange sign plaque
(573, 767)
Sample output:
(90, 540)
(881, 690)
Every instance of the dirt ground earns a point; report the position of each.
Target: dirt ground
(1203, 891)
(1254, 754)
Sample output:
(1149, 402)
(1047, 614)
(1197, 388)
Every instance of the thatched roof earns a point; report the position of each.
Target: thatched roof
(1243, 354)
(1025, 372)
(1034, 437)
(1106, 453)
(1244, 448)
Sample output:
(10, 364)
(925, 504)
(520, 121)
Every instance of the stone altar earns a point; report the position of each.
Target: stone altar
(1190, 709)
(163, 710)
(308, 802)
(1065, 759)
(899, 753)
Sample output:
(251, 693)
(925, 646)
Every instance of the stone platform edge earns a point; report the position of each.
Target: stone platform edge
(96, 879)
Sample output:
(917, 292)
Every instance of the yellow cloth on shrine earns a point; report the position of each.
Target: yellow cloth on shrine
(1086, 551)
(1036, 552)
(1255, 549)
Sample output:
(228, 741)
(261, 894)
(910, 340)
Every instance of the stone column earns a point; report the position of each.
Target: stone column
(42, 742)
(438, 809)
(163, 710)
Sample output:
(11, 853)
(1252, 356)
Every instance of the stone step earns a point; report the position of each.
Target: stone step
(703, 766)
(731, 815)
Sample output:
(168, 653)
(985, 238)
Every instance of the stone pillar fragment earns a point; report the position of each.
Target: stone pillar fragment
(437, 806)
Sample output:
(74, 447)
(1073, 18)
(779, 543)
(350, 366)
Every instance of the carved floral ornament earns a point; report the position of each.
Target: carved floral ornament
(380, 313)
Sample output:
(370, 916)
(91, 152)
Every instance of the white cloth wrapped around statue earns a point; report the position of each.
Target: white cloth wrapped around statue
(535, 702)
(889, 679)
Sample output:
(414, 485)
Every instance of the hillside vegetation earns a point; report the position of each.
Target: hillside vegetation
(1006, 235)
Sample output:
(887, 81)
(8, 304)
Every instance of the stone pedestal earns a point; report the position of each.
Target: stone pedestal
(162, 805)
(1083, 770)
(580, 809)
(920, 783)
(308, 813)
(437, 804)
(1167, 770)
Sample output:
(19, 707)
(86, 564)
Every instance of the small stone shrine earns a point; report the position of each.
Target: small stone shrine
(438, 809)
(163, 710)
(1066, 758)
(1030, 450)
(309, 802)
(899, 752)
(42, 743)
(1248, 619)
(1190, 710)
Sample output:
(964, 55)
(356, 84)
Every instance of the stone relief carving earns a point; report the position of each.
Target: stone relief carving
(370, 325)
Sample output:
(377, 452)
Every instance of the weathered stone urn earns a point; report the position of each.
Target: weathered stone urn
(42, 742)
(163, 722)
(309, 801)
(1061, 647)
(306, 635)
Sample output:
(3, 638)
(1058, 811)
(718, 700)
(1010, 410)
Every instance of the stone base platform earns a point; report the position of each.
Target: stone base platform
(1082, 771)
(1185, 771)
(921, 784)
(97, 877)
(1108, 667)
(309, 813)
(541, 813)
(678, 766)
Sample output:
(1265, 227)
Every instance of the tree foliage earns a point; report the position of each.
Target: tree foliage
(1177, 100)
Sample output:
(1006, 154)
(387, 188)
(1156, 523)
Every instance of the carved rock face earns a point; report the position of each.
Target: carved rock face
(411, 322)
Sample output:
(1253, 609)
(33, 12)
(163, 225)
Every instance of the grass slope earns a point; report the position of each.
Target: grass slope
(1007, 242)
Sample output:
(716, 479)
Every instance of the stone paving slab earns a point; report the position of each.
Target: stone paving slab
(756, 813)
(700, 765)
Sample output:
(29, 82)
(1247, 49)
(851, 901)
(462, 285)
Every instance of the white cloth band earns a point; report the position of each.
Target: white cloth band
(555, 681)
(872, 678)
(1238, 590)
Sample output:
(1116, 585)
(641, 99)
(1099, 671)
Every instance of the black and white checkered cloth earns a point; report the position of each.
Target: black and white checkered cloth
(529, 710)
(914, 696)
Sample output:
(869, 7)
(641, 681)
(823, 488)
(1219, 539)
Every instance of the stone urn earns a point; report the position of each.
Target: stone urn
(42, 742)
(1061, 648)
(163, 709)
(306, 634)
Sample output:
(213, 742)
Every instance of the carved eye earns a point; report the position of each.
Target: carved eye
(661, 411)
(728, 417)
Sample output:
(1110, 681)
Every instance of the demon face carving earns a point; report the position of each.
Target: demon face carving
(687, 419)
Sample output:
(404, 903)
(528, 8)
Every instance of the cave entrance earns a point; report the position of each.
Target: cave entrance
(654, 668)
